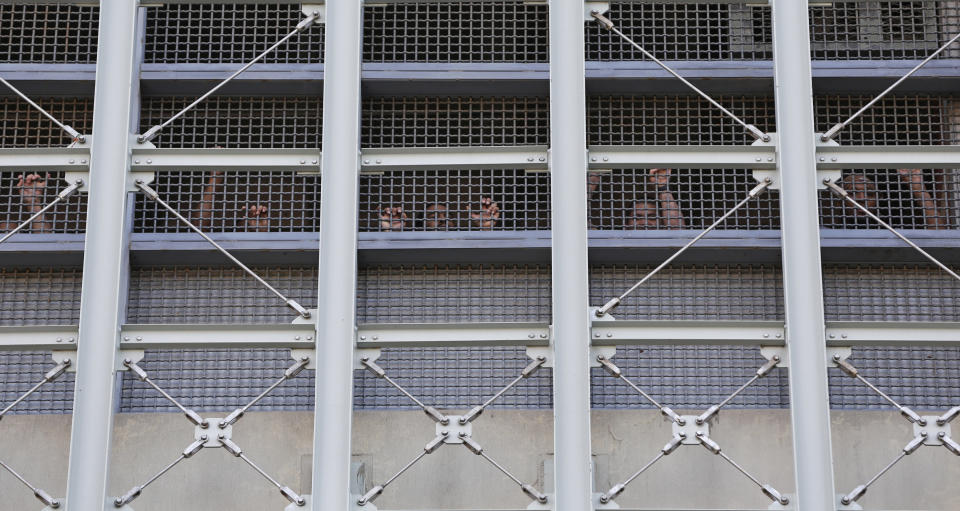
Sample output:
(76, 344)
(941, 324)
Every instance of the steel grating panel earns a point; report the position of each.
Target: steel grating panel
(890, 293)
(228, 33)
(62, 34)
(922, 378)
(22, 195)
(39, 296)
(23, 126)
(20, 371)
(639, 199)
(894, 120)
(683, 31)
(182, 294)
(455, 200)
(448, 293)
(237, 121)
(483, 31)
(432, 121)
(256, 201)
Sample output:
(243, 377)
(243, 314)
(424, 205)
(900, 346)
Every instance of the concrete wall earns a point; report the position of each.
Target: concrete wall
(454, 478)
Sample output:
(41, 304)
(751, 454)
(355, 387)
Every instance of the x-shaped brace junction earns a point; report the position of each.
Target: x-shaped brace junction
(452, 429)
(51, 375)
(927, 430)
(213, 433)
(691, 430)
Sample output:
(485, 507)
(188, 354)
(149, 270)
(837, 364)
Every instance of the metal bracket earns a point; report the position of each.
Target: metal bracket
(688, 431)
(61, 507)
(59, 356)
(590, 7)
(596, 352)
(832, 175)
(773, 175)
(133, 177)
(934, 431)
(768, 352)
(454, 432)
(776, 505)
(853, 506)
(307, 505)
(320, 10)
(546, 506)
(535, 352)
(134, 356)
(610, 504)
(214, 434)
(311, 354)
(361, 354)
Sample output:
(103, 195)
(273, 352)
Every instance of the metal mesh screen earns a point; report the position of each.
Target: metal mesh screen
(444, 294)
(455, 200)
(674, 120)
(22, 195)
(39, 296)
(233, 202)
(484, 31)
(228, 33)
(454, 121)
(21, 370)
(692, 292)
(882, 30)
(181, 294)
(890, 293)
(678, 199)
(894, 120)
(22, 126)
(924, 378)
(684, 31)
(48, 34)
(232, 122)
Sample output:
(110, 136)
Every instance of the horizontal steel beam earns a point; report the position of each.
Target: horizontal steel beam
(626, 332)
(867, 333)
(387, 335)
(226, 160)
(51, 159)
(873, 157)
(282, 335)
(29, 338)
(416, 158)
(714, 157)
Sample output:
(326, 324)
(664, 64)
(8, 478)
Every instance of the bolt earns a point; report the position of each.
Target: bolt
(203, 436)
(531, 336)
(136, 161)
(699, 433)
(923, 433)
(149, 161)
(363, 338)
(379, 162)
(597, 334)
(844, 501)
(71, 161)
(758, 158)
(681, 421)
(59, 339)
(595, 11)
(309, 337)
(296, 338)
(313, 162)
(127, 361)
(365, 359)
(922, 422)
(766, 336)
(769, 158)
(606, 158)
(375, 338)
(776, 357)
(833, 336)
(823, 159)
(444, 433)
(601, 358)
(139, 338)
(543, 336)
(221, 436)
(126, 338)
(529, 158)
(941, 434)
(139, 181)
(609, 334)
(541, 357)
(445, 421)
(71, 339)
(843, 336)
(543, 158)
(83, 161)
(837, 356)
(462, 434)
(303, 162)
(366, 162)
(779, 336)
(833, 159)
(682, 434)
(593, 158)
(222, 424)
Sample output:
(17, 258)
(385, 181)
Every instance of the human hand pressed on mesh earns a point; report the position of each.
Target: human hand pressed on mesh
(392, 219)
(488, 215)
(659, 178)
(31, 187)
(257, 217)
(913, 177)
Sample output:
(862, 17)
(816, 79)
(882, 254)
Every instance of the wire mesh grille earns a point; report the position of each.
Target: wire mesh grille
(484, 31)
(229, 33)
(443, 294)
(23, 194)
(924, 378)
(234, 122)
(181, 294)
(890, 293)
(21, 370)
(39, 296)
(22, 126)
(882, 30)
(48, 34)
(415, 121)
(894, 120)
(904, 198)
(455, 200)
(692, 292)
(257, 201)
(639, 199)
(683, 31)
(674, 120)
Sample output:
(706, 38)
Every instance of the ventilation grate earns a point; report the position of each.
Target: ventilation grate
(39, 296)
(485, 31)
(49, 34)
(23, 126)
(228, 33)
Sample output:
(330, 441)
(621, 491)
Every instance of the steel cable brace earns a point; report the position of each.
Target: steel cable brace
(608, 25)
(206, 437)
(835, 188)
(691, 430)
(76, 135)
(613, 303)
(447, 425)
(153, 195)
(66, 192)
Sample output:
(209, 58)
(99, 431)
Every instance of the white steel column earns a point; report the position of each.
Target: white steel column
(802, 285)
(571, 324)
(336, 315)
(105, 264)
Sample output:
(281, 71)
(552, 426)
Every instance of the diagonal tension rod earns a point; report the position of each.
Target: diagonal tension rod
(141, 375)
(607, 24)
(430, 448)
(76, 135)
(527, 372)
(289, 373)
(858, 492)
(378, 371)
(153, 195)
(51, 375)
(477, 449)
(66, 192)
(757, 190)
(832, 132)
(303, 25)
(41, 495)
(853, 372)
(846, 196)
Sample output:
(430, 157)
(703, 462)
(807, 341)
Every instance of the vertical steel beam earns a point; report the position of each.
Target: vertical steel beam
(105, 263)
(336, 309)
(802, 285)
(571, 325)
